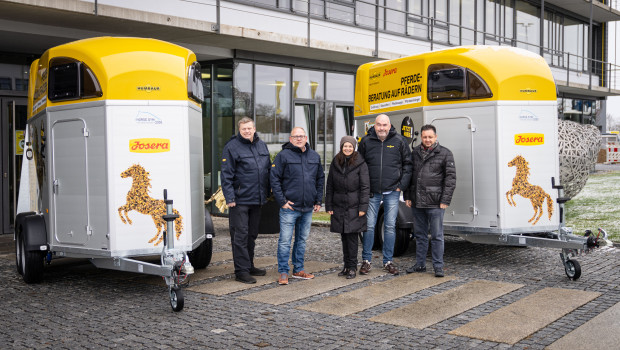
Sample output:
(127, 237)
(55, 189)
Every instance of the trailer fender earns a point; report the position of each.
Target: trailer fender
(19, 220)
(34, 232)
(209, 230)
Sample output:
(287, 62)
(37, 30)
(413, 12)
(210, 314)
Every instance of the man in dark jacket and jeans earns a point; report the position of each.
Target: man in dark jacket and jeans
(297, 182)
(245, 184)
(432, 185)
(388, 158)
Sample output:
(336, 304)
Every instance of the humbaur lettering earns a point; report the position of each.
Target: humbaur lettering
(149, 145)
(530, 139)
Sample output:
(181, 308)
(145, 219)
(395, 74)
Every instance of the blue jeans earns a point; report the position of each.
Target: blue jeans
(298, 222)
(390, 211)
(428, 220)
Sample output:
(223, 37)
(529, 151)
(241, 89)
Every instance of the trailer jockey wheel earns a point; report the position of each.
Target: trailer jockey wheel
(573, 269)
(177, 300)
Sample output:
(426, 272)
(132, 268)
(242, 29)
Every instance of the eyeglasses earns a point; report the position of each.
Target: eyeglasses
(299, 137)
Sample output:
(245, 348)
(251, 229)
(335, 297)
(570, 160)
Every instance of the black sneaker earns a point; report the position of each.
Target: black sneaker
(439, 272)
(254, 271)
(416, 268)
(245, 278)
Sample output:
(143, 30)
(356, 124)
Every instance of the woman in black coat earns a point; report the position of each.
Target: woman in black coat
(346, 200)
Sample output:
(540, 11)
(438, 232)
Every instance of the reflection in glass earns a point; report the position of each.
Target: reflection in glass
(340, 87)
(273, 117)
(242, 91)
(308, 84)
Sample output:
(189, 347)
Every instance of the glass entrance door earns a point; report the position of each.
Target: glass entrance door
(12, 127)
(305, 117)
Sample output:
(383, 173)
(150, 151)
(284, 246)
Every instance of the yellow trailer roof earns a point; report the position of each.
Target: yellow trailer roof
(512, 74)
(125, 69)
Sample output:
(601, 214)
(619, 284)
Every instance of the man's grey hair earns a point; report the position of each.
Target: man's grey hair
(243, 121)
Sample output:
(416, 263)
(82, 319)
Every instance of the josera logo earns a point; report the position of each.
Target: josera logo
(149, 145)
(529, 139)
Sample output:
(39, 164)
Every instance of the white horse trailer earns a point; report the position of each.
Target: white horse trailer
(495, 108)
(114, 127)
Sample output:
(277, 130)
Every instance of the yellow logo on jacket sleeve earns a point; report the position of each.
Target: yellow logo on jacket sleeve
(149, 145)
(390, 146)
(223, 159)
(529, 139)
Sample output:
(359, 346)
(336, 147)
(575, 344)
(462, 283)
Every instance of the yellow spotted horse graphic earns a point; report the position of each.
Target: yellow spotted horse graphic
(522, 187)
(138, 199)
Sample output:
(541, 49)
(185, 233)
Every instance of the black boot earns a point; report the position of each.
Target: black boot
(245, 278)
(255, 271)
(344, 272)
(351, 274)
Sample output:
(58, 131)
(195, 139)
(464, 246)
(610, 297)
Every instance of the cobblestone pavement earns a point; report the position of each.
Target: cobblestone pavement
(79, 306)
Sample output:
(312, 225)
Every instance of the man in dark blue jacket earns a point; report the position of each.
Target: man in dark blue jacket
(245, 184)
(388, 158)
(297, 182)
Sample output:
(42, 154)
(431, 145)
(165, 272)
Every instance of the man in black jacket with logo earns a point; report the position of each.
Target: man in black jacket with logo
(388, 158)
(245, 184)
(432, 185)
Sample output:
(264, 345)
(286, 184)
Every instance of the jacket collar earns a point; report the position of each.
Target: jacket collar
(292, 147)
(244, 140)
(373, 134)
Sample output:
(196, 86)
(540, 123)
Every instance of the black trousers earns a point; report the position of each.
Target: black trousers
(243, 222)
(349, 249)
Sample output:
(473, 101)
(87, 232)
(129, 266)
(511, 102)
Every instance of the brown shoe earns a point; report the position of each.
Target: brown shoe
(303, 275)
(390, 268)
(365, 269)
(283, 280)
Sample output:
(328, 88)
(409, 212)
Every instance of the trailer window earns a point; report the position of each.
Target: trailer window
(71, 80)
(478, 88)
(194, 83)
(451, 82)
(446, 82)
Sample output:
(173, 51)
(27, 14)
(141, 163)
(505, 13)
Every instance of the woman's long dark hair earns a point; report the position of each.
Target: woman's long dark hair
(340, 157)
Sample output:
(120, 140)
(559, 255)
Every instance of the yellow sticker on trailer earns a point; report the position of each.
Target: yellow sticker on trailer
(149, 145)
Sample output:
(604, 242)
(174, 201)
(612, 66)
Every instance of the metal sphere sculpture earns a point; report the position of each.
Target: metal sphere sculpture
(579, 145)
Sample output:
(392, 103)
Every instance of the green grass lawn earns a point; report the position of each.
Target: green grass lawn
(597, 205)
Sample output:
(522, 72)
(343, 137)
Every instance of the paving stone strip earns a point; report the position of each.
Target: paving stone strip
(522, 318)
(445, 305)
(601, 332)
(298, 291)
(228, 286)
(376, 294)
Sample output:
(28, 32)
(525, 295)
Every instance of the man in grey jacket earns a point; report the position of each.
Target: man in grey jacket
(432, 185)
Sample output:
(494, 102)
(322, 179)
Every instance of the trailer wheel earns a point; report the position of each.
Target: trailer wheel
(201, 256)
(18, 250)
(573, 269)
(401, 241)
(31, 262)
(177, 300)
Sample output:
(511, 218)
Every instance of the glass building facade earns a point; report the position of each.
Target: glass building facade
(278, 98)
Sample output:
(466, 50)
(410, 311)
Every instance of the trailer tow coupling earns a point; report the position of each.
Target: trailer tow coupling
(590, 242)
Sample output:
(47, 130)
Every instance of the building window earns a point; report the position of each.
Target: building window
(273, 116)
(242, 91)
(21, 84)
(528, 26)
(340, 87)
(308, 84)
(6, 83)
